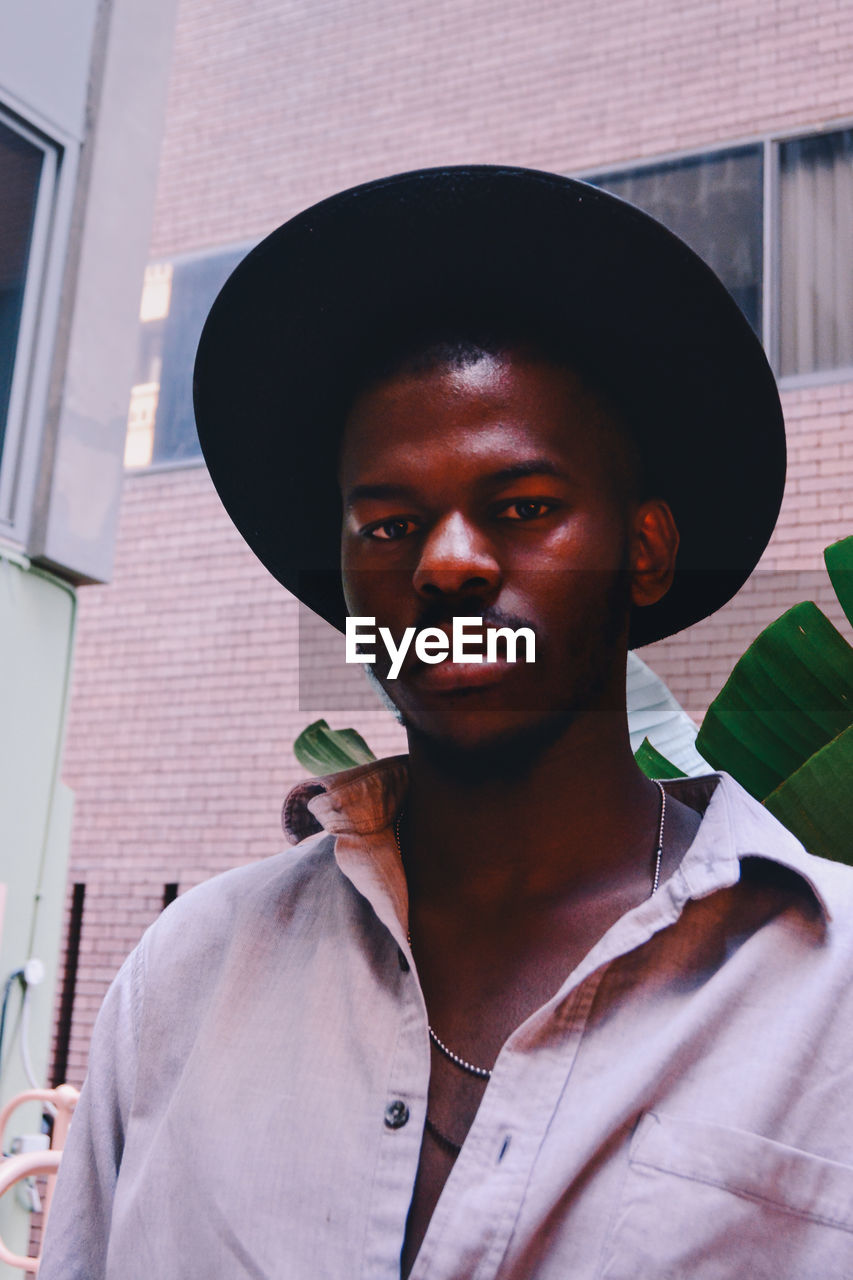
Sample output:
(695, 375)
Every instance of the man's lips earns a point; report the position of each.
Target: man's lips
(447, 676)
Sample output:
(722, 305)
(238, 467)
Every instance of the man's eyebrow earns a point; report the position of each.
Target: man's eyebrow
(399, 492)
(359, 492)
(528, 467)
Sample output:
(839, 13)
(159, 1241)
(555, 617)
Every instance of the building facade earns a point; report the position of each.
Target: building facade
(82, 98)
(732, 120)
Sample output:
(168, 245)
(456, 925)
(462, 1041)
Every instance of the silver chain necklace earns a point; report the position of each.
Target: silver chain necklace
(659, 850)
(484, 1073)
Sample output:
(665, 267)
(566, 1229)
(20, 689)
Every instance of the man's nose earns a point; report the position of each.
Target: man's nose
(456, 559)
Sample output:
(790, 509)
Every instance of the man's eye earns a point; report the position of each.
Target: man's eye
(390, 530)
(526, 509)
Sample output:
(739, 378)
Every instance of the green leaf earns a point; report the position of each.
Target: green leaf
(653, 764)
(839, 564)
(816, 802)
(322, 750)
(790, 694)
(655, 713)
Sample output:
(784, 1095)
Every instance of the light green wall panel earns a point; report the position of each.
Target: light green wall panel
(36, 640)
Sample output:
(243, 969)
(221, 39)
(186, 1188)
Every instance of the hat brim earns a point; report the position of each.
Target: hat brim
(286, 338)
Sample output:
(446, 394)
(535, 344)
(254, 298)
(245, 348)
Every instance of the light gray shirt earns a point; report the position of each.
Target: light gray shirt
(682, 1107)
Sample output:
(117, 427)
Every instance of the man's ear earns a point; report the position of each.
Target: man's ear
(653, 547)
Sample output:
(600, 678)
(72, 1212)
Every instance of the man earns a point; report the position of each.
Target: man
(511, 1009)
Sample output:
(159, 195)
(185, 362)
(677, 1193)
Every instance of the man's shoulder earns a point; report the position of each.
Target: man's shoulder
(758, 835)
(833, 885)
(243, 902)
(265, 906)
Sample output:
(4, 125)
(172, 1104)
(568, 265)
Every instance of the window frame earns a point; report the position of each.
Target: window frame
(775, 141)
(26, 334)
(34, 346)
(770, 144)
(241, 247)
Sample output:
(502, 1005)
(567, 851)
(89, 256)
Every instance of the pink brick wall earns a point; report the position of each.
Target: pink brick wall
(275, 103)
(817, 509)
(184, 711)
(185, 702)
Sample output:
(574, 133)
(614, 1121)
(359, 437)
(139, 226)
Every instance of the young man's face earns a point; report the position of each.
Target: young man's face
(501, 490)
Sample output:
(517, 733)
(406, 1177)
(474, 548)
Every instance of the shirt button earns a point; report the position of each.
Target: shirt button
(396, 1114)
(403, 962)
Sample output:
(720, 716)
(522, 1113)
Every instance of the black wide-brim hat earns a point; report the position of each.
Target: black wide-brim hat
(465, 250)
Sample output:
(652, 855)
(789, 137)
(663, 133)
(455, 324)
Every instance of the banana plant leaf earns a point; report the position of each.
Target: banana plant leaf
(816, 802)
(839, 564)
(782, 724)
(321, 750)
(656, 716)
(653, 764)
(655, 719)
(788, 696)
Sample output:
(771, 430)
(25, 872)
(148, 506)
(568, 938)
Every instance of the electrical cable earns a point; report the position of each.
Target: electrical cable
(25, 1032)
(16, 973)
(29, 976)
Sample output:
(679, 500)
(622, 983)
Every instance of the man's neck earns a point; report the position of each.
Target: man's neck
(580, 817)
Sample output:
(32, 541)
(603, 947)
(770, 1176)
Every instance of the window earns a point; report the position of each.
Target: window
(815, 214)
(795, 287)
(176, 298)
(20, 170)
(27, 172)
(714, 203)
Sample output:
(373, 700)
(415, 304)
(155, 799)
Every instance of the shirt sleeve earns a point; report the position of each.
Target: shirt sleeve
(77, 1236)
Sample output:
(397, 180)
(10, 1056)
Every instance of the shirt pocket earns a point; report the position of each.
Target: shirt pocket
(708, 1203)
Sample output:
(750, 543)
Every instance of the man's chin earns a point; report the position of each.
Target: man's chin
(481, 752)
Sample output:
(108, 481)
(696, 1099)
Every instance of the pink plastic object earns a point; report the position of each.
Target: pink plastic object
(32, 1163)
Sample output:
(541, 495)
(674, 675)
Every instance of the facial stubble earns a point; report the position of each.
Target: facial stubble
(596, 674)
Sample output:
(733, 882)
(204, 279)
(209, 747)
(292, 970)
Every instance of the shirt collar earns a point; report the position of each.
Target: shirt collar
(735, 826)
(356, 801)
(366, 799)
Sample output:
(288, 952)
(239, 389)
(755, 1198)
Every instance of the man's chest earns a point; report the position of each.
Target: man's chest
(292, 1122)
